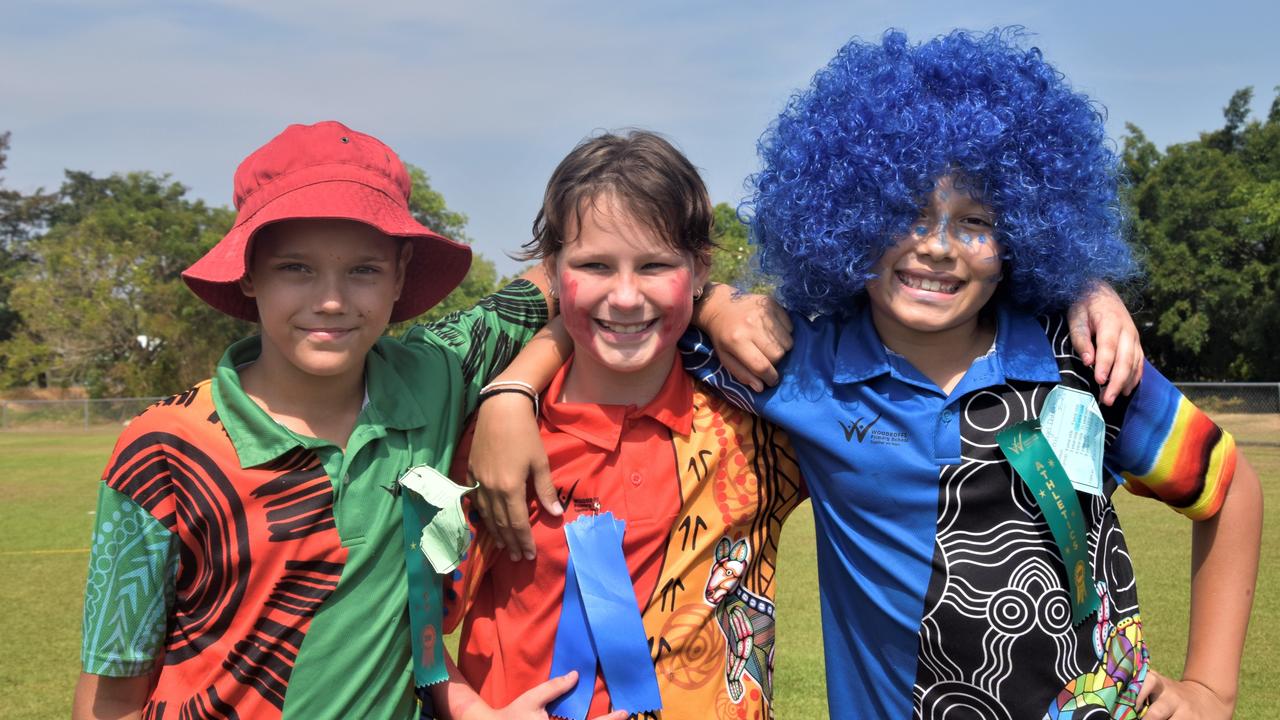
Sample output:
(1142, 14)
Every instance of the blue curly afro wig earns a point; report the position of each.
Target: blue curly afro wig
(852, 158)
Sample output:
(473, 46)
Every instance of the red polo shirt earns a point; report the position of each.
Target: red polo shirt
(705, 489)
(604, 458)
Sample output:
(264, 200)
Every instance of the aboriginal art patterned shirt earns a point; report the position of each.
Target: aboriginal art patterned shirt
(704, 489)
(259, 573)
(943, 592)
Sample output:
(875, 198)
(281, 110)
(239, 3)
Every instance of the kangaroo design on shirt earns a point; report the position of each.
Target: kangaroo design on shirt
(746, 619)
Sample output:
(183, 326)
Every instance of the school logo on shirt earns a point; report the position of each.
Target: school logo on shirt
(861, 430)
(858, 428)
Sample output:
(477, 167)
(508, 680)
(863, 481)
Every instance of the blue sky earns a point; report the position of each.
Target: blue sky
(488, 96)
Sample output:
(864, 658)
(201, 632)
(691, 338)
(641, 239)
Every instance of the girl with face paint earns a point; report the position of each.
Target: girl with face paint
(624, 236)
(626, 296)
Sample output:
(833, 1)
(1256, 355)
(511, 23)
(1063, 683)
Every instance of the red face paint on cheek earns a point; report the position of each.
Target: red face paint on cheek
(577, 320)
(676, 314)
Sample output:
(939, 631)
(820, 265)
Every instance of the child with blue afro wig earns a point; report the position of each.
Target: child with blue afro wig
(920, 206)
(848, 162)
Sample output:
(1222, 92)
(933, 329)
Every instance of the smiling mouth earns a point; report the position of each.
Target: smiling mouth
(929, 285)
(333, 332)
(626, 328)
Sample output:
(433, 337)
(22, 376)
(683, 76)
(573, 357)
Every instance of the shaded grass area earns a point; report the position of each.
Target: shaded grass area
(48, 485)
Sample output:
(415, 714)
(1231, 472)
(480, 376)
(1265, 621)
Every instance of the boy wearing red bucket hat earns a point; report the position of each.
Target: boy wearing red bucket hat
(254, 533)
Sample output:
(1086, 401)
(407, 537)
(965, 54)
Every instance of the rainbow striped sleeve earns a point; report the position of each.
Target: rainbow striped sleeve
(1169, 449)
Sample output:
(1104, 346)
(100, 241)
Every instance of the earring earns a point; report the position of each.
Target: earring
(697, 293)
(551, 285)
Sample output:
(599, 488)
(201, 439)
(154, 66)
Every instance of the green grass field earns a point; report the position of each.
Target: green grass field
(47, 492)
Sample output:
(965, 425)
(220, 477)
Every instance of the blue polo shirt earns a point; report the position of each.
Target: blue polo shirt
(941, 589)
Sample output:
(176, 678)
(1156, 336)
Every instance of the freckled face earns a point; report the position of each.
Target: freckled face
(941, 274)
(325, 290)
(626, 295)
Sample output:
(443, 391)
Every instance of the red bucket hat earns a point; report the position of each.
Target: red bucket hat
(326, 171)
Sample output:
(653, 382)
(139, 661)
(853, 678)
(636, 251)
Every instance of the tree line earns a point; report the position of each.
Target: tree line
(91, 293)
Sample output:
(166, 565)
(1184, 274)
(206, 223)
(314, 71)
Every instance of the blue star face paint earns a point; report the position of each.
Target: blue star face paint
(927, 283)
(954, 211)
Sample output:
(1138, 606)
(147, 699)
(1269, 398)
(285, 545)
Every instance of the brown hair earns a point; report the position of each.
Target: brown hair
(652, 180)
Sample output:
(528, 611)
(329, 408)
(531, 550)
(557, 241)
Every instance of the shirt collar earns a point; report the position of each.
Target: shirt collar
(602, 425)
(259, 439)
(1022, 347)
(859, 353)
(1022, 351)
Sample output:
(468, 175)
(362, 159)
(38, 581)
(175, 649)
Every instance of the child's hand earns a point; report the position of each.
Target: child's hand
(533, 704)
(1181, 699)
(506, 452)
(751, 333)
(1117, 364)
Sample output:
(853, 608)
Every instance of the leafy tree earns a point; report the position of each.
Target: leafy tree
(102, 301)
(20, 216)
(1236, 114)
(1140, 154)
(428, 207)
(1206, 216)
(9, 200)
(730, 260)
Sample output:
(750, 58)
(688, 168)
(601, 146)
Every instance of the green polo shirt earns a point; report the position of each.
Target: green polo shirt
(355, 660)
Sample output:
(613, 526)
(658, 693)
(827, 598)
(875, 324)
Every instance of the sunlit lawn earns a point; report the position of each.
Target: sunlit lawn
(47, 491)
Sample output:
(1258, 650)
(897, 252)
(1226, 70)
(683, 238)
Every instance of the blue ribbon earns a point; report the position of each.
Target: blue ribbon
(600, 623)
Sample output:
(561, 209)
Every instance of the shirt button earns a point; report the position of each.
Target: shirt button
(346, 479)
(946, 416)
(636, 478)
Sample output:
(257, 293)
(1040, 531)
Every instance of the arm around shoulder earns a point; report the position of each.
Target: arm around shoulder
(751, 333)
(507, 452)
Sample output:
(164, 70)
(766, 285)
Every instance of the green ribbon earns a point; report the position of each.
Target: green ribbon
(435, 537)
(1036, 464)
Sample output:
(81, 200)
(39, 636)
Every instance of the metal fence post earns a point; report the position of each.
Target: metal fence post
(86, 413)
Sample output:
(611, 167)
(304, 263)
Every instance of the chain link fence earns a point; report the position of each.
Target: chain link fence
(1233, 398)
(1249, 411)
(85, 413)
